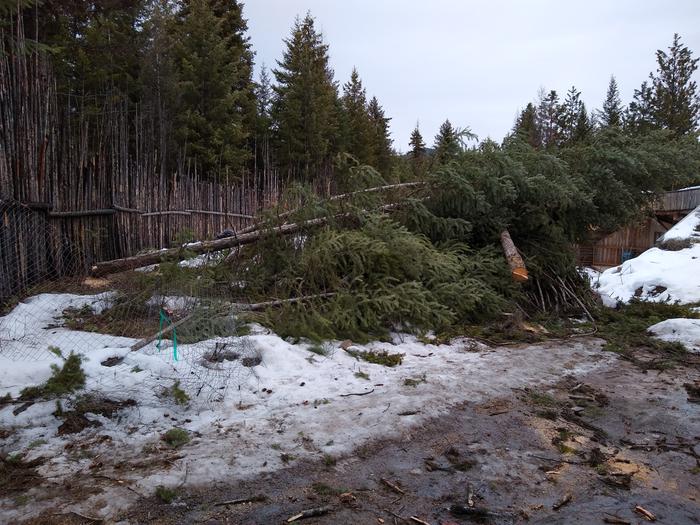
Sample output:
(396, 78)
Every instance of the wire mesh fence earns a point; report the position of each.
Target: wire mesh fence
(156, 329)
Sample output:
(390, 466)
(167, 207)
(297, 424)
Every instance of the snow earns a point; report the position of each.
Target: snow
(686, 331)
(295, 402)
(687, 228)
(658, 275)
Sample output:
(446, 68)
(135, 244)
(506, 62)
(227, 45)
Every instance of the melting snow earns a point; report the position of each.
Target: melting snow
(294, 402)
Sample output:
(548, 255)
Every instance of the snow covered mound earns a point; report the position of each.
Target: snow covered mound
(659, 275)
(687, 229)
(686, 331)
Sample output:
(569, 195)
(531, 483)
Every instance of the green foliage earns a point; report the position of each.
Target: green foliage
(176, 437)
(215, 115)
(625, 330)
(362, 375)
(612, 113)
(323, 489)
(383, 358)
(165, 494)
(669, 100)
(64, 380)
(306, 103)
(178, 394)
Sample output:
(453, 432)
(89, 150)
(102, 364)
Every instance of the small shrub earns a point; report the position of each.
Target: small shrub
(178, 394)
(378, 358)
(329, 460)
(64, 380)
(176, 437)
(362, 375)
(165, 494)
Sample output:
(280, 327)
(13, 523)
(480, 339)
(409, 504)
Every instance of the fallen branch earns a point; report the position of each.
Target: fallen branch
(357, 394)
(393, 486)
(320, 511)
(164, 331)
(254, 227)
(644, 512)
(254, 307)
(202, 247)
(418, 520)
(240, 501)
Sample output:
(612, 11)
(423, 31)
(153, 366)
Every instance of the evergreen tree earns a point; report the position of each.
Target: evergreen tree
(447, 143)
(640, 114)
(263, 122)
(575, 124)
(549, 119)
(357, 132)
(234, 27)
(306, 102)
(670, 100)
(417, 155)
(611, 114)
(213, 70)
(381, 140)
(526, 126)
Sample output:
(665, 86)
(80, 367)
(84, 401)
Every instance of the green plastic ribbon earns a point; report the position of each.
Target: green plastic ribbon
(163, 319)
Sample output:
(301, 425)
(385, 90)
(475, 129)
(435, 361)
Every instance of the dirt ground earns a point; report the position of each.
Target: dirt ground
(590, 449)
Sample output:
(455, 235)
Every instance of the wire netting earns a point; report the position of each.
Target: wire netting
(173, 313)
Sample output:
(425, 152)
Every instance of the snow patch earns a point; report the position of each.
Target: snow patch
(656, 275)
(686, 331)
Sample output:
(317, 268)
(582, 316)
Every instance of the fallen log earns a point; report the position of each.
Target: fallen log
(341, 196)
(517, 266)
(197, 248)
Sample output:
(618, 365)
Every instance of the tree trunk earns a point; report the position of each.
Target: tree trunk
(517, 266)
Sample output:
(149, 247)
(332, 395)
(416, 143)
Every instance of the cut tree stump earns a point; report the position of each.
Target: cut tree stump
(517, 266)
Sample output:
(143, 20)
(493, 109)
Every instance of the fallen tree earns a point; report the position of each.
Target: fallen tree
(193, 249)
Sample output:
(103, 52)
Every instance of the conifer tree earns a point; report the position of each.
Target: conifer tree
(417, 155)
(670, 100)
(526, 126)
(549, 119)
(263, 123)
(611, 114)
(215, 89)
(447, 143)
(306, 103)
(574, 124)
(381, 140)
(357, 131)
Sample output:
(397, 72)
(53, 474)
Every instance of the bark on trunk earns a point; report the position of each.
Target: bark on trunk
(517, 266)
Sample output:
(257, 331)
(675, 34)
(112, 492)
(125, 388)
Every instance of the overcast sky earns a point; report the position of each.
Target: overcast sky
(478, 62)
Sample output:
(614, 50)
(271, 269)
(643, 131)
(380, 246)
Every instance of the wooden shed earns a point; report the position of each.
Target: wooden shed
(605, 251)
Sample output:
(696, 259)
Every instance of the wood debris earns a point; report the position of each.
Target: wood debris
(393, 486)
(310, 513)
(646, 513)
(565, 500)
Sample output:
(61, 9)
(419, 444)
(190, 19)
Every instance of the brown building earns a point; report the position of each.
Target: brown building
(615, 248)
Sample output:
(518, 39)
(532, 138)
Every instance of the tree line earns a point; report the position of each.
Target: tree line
(189, 64)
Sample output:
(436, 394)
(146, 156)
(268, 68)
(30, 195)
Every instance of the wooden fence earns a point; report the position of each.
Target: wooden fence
(81, 186)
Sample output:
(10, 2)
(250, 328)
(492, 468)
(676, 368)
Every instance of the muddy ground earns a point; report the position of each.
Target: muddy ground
(589, 449)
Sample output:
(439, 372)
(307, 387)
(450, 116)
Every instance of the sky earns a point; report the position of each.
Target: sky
(479, 62)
